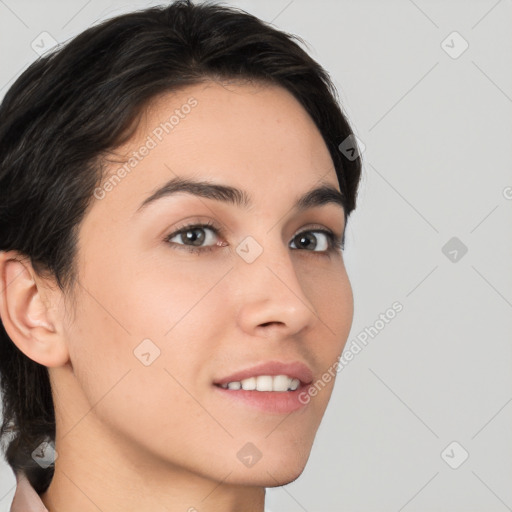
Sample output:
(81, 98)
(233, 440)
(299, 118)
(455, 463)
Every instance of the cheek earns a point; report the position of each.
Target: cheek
(178, 301)
(148, 404)
(329, 290)
(163, 320)
(339, 307)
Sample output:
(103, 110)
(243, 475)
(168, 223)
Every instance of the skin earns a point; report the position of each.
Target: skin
(156, 438)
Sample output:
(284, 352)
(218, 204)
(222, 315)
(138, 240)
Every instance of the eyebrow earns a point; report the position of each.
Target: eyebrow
(320, 196)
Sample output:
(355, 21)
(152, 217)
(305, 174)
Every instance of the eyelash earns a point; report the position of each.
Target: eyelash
(334, 241)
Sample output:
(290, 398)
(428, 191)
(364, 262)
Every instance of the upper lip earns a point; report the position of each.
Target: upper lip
(294, 369)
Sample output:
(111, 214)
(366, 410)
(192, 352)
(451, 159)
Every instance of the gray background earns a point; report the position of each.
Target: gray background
(437, 133)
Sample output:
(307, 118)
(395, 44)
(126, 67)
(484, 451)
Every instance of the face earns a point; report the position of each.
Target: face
(195, 286)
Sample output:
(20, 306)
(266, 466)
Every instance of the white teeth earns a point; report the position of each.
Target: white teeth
(265, 383)
(249, 384)
(295, 384)
(281, 383)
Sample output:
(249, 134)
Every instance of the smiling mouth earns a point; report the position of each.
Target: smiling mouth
(271, 394)
(275, 383)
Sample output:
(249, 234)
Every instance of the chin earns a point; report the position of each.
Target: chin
(284, 476)
(275, 471)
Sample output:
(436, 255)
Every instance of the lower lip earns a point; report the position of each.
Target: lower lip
(279, 402)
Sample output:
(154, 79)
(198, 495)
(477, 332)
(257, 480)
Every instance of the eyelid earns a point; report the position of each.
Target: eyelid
(196, 222)
(186, 225)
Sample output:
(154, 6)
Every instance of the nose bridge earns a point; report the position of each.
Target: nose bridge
(270, 290)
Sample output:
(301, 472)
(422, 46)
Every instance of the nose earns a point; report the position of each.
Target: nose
(271, 299)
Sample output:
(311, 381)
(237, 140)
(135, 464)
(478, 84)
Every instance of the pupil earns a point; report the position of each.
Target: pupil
(191, 236)
(309, 239)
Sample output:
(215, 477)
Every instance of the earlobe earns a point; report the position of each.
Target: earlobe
(26, 312)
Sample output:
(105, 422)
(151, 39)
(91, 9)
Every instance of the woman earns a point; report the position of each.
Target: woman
(174, 298)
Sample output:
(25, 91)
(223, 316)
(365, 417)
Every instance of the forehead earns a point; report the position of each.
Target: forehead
(254, 136)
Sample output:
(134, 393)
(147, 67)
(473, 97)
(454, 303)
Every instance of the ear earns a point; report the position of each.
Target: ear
(30, 311)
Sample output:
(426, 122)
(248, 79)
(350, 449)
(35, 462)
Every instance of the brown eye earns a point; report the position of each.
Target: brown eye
(314, 240)
(195, 238)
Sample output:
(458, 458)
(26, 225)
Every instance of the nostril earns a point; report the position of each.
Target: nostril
(266, 324)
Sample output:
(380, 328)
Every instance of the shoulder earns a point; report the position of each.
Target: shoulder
(26, 498)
